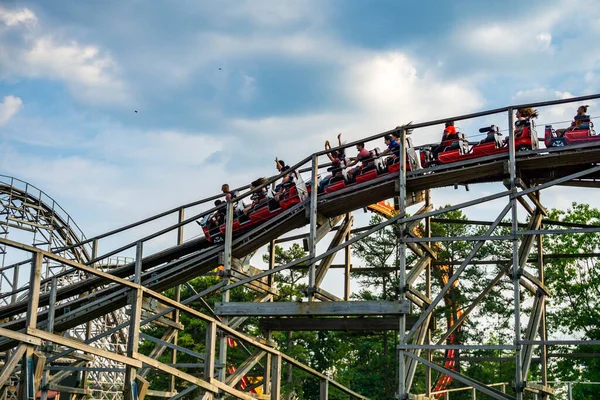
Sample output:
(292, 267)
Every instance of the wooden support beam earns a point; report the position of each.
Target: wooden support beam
(536, 387)
(77, 345)
(276, 377)
(245, 368)
(536, 281)
(174, 371)
(158, 350)
(324, 389)
(142, 387)
(338, 238)
(324, 295)
(338, 308)
(532, 330)
(237, 321)
(257, 285)
(11, 363)
(334, 324)
(159, 393)
(60, 375)
(68, 389)
(210, 348)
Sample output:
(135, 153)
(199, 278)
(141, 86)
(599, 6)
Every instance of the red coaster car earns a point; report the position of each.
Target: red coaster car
(582, 132)
(525, 139)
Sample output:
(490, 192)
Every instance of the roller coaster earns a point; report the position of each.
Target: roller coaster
(40, 304)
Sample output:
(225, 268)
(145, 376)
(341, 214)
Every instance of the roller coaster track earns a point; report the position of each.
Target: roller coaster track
(83, 301)
(173, 266)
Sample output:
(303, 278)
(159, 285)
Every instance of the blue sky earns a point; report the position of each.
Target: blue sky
(222, 87)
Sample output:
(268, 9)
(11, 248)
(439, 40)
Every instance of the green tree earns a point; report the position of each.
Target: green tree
(574, 307)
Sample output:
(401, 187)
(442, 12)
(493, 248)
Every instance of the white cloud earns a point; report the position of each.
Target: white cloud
(9, 107)
(87, 71)
(14, 17)
(90, 73)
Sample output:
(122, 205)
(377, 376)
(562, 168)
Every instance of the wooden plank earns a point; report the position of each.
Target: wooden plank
(77, 345)
(174, 371)
(12, 363)
(143, 387)
(21, 337)
(39, 361)
(324, 295)
(228, 389)
(245, 368)
(276, 376)
(341, 308)
(68, 389)
(159, 393)
(334, 324)
(539, 388)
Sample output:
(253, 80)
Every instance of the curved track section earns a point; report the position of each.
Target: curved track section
(30, 216)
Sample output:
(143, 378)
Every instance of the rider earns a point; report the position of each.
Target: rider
(336, 157)
(256, 197)
(287, 178)
(524, 116)
(449, 134)
(229, 194)
(218, 217)
(392, 148)
(581, 111)
(363, 156)
(341, 154)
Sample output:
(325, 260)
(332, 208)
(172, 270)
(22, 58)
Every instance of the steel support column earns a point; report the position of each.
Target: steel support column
(515, 251)
(227, 257)
(312, 239)
(133, 340)
(402, 339)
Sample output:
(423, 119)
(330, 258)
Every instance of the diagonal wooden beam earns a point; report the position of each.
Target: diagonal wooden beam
(411, 365)
(245, 368)
(158, 350)
(532, 329)
(11, 363)
(339, 237)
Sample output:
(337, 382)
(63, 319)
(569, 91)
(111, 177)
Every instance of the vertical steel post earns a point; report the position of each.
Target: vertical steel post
(133, 339)
(27, 388)
(225, 298)
(515, 255)
(88, 325)
(276, 377)
(49, 328)
(543, 335)
(473, 394)
(570, 391)
(429, 354)
(402, 266)
(209, 355)
(347, 267)
(181, 218)
(269, 333)
(324, 390)
(312, 239)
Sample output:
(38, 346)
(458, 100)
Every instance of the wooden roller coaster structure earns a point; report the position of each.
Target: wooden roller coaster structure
(39, 309)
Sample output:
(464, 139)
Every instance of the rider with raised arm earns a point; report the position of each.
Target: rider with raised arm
(336, 157)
